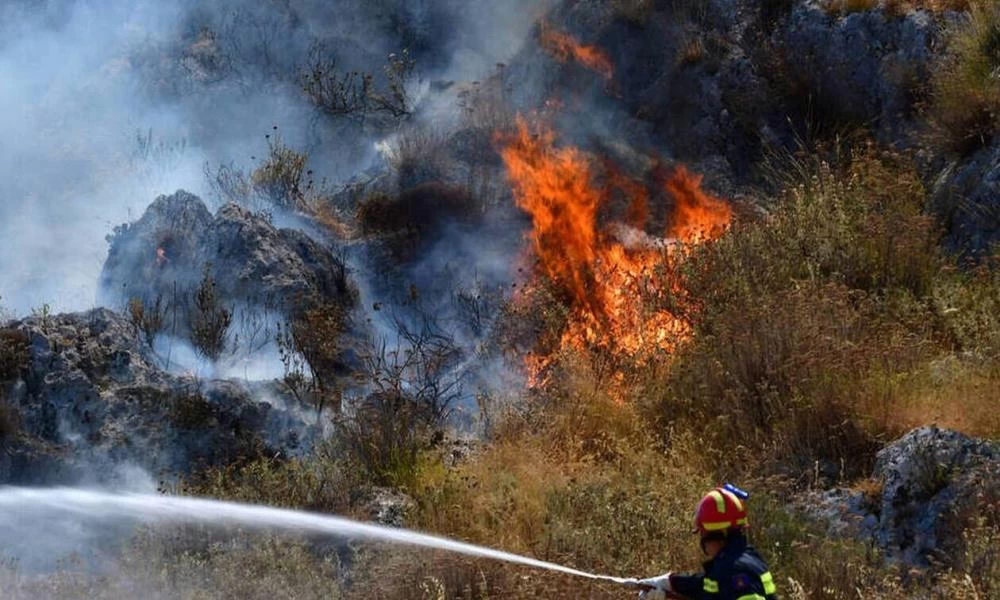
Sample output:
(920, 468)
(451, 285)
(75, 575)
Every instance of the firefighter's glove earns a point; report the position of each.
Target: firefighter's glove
(655, 588)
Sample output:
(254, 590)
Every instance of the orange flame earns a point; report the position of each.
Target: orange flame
(562, 47)
(697, 216)
(616, 281)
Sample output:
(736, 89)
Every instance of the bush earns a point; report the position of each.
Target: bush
(188, 565)
(384, 437)
(281, 177)
(281, 180)
(14, 354)
(209, 320)
(318, 483)
(798, 317)
(314, 336)
(355, 95)
(965, 86)
(410, 219)
(148, 319)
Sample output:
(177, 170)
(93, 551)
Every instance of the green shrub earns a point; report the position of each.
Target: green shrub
(793, 314)
(318, 483)
(965, 86)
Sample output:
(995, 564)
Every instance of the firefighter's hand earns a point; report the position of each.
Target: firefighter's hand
(655, 588)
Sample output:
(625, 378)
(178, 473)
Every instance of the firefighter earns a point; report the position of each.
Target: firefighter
(733, 571)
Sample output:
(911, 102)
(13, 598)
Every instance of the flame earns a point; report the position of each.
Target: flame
(697, 217)
(161, 257)
(563, 47)
(617, 280)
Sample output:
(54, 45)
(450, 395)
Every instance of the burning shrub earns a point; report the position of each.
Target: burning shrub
(965, 101)
(618, 282)
(208, 319)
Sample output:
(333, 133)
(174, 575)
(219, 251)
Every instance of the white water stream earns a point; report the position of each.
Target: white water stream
(149, 508)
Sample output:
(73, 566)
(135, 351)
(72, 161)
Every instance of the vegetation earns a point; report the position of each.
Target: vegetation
(14, 357)
(148, 319)
(965, 102)
(208, 319)
(355, 94)
(281, 180)
(310, 349)
(812, 334)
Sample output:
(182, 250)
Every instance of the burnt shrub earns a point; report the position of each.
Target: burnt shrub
(209, 319)
(14, 353)
(410, 219)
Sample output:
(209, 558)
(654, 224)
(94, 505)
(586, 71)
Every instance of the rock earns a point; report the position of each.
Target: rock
(94, 403)
(967, 197)
(931, 478)
(389, 507)
(931, 481)
(165, 253)
(863, 67)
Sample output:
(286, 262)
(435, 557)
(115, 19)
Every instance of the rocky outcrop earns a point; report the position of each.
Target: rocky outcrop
(93, 403)
(864, 67)
(166, 252)
(967, 197)
(928, 485)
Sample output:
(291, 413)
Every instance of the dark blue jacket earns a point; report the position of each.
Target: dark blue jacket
(736, 573)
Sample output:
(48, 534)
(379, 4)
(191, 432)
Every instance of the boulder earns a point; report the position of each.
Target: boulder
(93, 403)
(927, 487)
(167, 251)
(932, 479)
(967, 197)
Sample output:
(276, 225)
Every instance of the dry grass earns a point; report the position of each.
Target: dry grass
(965, 86)
(895, 7)
(829, 327)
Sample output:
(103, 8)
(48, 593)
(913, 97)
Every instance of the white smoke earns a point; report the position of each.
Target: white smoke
(102, 111)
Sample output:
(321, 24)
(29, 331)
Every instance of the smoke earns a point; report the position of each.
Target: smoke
(107, 104)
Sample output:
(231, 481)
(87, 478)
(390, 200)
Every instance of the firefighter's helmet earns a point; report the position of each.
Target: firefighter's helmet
(721, 509)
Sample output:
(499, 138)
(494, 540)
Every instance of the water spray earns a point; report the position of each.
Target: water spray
(153, 508)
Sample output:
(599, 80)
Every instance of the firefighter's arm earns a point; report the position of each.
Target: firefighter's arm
(687, 586)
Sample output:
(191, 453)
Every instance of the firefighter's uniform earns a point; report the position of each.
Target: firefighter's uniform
(736, 573)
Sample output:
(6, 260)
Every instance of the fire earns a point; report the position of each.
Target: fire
(563, 47)
(616, 280)
(161, 257)
(697, 217)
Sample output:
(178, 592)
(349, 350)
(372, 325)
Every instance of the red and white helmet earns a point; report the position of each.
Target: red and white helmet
(720, 510)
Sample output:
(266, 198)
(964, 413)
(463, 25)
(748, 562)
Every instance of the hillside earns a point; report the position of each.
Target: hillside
(530, 276)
